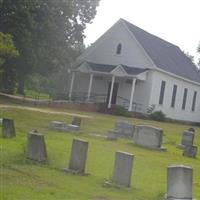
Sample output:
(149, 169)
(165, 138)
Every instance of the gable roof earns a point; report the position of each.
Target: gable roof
(165, 55)
(109, 68)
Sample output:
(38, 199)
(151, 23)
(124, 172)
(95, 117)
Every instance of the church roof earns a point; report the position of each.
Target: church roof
(108, 68)
(165, 55)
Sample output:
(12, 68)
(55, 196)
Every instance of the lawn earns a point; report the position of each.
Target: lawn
(25, 180)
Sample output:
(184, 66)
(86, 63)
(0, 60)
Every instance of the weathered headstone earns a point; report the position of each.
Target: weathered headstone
(36, 148)
(8, 128)
(62, 126)
(190, 151)
(148, 136)
(71, 127)
(187, 139)
(78, 156)
(123, 169)
(57, 125)
(179, 182)
(111, 135)
(76, 121)
(124, 129)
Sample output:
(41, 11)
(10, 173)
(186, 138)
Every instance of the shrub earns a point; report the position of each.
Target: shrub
(158, 116)
(120, 110)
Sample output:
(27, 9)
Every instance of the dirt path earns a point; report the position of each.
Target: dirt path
(43, 110)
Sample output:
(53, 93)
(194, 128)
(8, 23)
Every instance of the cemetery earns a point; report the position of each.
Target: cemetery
(42, 158)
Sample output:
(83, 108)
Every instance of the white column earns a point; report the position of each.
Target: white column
(90, 87)
(111, 91)
(132, 93)
(71, 85)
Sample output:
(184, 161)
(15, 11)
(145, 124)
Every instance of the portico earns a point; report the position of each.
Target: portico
(112, 80)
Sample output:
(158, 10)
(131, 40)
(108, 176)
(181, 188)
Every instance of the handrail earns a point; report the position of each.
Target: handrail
(137, 106)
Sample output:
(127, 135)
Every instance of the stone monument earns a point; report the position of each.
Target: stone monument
(78, 157)
(36, 148)
(148, 136)
(123, 169)
(8, 128)
(179, 182)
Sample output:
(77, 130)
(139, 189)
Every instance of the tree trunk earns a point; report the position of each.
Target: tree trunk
(21, 84)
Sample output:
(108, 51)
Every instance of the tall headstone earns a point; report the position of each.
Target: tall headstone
(179, 182)
(8, 128)
(123, 169)
(148, 136)
(78, 156)
(76, 121)
(187, 138)
(36, 148)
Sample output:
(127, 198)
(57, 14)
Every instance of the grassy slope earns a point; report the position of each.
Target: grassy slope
(22, 180)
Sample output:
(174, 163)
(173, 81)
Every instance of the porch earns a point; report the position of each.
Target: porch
(109, 84)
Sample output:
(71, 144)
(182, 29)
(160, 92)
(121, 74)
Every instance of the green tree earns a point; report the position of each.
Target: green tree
(7, 48)
(46, 32)
(7, 51)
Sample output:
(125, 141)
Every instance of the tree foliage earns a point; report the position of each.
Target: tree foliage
(7, 48)
(7, 52)
(47, 33)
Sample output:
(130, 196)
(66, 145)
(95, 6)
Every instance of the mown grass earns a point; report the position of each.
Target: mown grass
(25, 180)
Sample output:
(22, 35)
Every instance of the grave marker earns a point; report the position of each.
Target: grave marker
(179, 182)
(8, 128)
(78, 156)
(187, 139)
(190, 151)
(123, 169)
(36, 148)
(76, 121)
(124, 129)
(111, 135)
(148, 136)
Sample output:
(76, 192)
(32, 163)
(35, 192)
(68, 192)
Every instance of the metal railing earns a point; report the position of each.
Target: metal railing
(137, 107)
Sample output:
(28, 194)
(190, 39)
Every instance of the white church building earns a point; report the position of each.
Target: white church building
(130, 67)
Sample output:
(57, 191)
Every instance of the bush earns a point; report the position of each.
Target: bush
(158, 116)
(39, 84)
(120, 110)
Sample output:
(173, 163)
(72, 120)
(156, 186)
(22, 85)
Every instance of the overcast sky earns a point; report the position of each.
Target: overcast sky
(177, 21)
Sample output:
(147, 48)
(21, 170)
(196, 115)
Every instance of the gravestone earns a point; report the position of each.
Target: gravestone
(8, 128)
(187, 139)
(57, 125)
(36, 148)
(111, 135)
(78, 157)
(123, 169)
(190, 151)
(76, 121)
(124, 129)
(62, 126)
(179, 182)
(71, 127)
(148, 136)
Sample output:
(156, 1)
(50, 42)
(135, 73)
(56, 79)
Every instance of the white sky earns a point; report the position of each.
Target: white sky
(177, 21)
